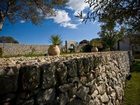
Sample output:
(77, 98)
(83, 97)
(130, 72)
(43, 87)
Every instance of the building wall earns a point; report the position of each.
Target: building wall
(10, 49)
(125, 45)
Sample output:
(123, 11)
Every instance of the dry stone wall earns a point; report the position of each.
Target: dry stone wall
(11, 49)
(79, 79)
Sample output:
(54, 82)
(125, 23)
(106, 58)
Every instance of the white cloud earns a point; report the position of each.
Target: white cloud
(62, 17)
(69, 25)
(77, 5)
(22, 21)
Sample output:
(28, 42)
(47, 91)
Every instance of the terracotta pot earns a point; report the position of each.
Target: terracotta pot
(94, 49)
(54, 50)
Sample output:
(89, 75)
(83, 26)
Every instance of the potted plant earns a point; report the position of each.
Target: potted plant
(54, 48)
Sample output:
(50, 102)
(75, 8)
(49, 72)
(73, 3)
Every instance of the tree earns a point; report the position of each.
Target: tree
(123, 12)
(7, 39)
(97, 42)
(28, 10)
(111, 36)
(84, 42)
(87, 48)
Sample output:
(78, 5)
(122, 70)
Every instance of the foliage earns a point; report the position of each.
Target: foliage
(56, 40)
(111, 36)
(87, 48)
(123, 12)
(7, 39)
(84, 42)
(97, 42)
(132, 90)
(32, 50)
(28, 10)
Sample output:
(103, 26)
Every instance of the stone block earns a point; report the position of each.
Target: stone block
(48, 76)
(46, 97)
(61, 73)
(29, 78)
(71, 68)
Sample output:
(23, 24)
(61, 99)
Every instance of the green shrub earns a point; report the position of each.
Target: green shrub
(87, 48)
(56, 40)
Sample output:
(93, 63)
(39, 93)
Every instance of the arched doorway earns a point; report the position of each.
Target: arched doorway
(72, 48)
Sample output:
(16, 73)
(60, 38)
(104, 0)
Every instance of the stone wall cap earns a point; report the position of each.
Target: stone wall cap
(14, 61)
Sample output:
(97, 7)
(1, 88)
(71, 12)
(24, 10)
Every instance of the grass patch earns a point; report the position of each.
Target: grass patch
(132, 90)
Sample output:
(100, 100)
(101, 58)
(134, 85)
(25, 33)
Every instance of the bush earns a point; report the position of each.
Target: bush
(87, 48)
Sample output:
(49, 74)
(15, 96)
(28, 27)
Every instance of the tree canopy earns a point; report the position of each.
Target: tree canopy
(27, 10)
(122, 12)
(84, 42)
(8, 39)
(97, 42)
(111, 36)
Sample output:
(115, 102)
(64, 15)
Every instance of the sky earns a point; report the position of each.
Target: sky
(64, 24)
